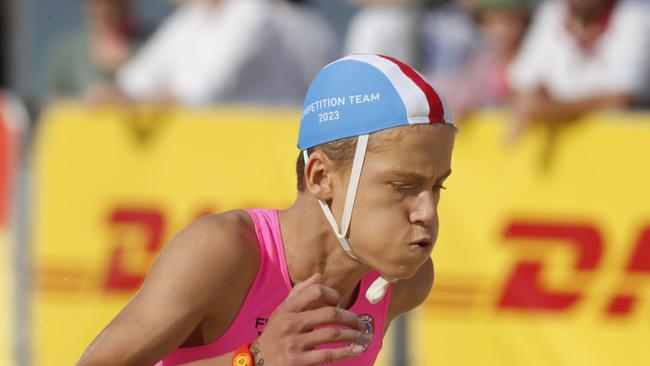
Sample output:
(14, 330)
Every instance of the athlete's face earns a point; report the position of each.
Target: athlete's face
(395, 218)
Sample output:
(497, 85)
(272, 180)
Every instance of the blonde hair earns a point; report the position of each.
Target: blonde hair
(341, 152)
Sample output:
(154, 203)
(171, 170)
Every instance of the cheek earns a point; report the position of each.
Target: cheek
(380, 197)
(381, 219)
(436, 227)
(380, 216)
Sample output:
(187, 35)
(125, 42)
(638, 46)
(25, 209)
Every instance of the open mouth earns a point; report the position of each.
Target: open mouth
(422, 246)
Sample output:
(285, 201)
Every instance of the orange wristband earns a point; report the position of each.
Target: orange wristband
(243, 356)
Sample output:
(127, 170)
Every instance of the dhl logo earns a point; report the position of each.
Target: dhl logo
(524, 288)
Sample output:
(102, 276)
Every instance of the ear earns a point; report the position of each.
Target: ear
(318, 176)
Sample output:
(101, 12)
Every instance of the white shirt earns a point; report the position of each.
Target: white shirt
(551, 57)
(444, 35)
(216, 52)
(382, 29)
(309, 39)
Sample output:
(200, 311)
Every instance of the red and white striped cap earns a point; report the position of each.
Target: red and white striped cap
(364, 93)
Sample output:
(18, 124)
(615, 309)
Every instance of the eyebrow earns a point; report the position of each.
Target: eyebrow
(418, 176)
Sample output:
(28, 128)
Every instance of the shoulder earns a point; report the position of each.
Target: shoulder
(213, 258)
(226, 237)
(209, 256)
(231, 224)
(411, 293)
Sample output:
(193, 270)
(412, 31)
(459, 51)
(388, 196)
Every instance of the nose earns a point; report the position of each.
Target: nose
(425, 211)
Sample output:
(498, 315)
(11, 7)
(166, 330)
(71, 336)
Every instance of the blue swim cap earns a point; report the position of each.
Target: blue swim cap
(364, 93)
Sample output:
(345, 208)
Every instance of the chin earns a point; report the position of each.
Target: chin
(402, 272)
(402, 269)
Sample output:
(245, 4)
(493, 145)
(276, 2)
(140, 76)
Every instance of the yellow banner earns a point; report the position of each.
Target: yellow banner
(536, 263)
(544, 253)
(112, 186)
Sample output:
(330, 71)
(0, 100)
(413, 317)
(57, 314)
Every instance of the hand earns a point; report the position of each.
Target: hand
(290, 338)
(104, 93)
(525, 109)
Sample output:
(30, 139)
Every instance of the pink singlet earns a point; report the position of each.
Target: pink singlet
(269, 288)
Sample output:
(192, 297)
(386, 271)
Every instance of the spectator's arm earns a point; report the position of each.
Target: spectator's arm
(630, 69)
(526, 73)
(142, 78)
(215, 62)
(540, 106)
(221, 68)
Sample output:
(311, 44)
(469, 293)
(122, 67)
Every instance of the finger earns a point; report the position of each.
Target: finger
(313, 297)
(331, 315)
(321, 356)
(315, 278)
(334, 335)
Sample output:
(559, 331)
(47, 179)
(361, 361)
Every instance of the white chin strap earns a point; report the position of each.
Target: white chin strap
(378, 288)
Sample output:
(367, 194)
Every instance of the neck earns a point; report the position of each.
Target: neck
(311, 247)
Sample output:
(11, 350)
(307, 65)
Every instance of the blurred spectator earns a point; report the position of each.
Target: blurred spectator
(482, 81)
(83, 63)
(231, 51)
(581, 55)
(449, 36)
(309, 39)
(384, 27)
(437, 36)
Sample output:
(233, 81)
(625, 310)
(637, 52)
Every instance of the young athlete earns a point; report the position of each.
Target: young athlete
(321, 281)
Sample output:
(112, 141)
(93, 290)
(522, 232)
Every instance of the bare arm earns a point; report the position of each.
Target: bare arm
(201, 262)
(527, 108)
(539, 105)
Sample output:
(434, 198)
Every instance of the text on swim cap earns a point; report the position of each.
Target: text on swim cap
(337, 102)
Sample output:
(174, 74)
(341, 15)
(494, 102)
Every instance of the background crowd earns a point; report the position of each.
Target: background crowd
(550, 60)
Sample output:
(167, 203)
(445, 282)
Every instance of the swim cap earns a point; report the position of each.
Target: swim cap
(364, 93)
(355, 96)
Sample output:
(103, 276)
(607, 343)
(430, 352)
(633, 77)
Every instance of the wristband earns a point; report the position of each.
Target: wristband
(243, 356)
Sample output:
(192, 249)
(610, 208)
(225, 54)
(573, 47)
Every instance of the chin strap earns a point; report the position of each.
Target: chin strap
(378, 289)
(357, 164)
